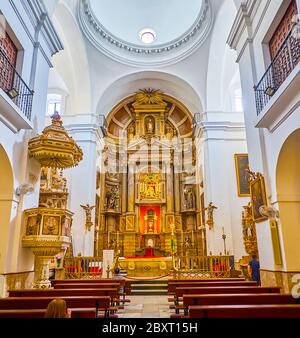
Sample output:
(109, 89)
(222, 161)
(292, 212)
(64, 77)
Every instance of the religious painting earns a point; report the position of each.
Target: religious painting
(150, 187)
(66, 226)
(258, 198)
(51, 225)
(242, 175)
(32, 228)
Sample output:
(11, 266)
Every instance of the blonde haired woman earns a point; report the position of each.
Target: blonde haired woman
(57, 308)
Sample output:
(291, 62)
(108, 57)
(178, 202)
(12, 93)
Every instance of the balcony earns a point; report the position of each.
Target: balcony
(15, 97)
(280, 84)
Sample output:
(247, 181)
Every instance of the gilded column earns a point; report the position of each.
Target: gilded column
(170, 188)
(177, 195)
(130, 189)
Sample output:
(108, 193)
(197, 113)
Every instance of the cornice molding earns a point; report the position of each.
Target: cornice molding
(35, 9)
(138, 55)
(223, 126)
(243, 20)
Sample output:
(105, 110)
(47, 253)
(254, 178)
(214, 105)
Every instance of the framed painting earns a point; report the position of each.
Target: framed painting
(242, 175)
(258, 198)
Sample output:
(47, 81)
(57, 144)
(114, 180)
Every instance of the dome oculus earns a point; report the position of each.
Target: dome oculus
(147, 35)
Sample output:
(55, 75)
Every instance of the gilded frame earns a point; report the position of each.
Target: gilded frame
(258, 198)
(242, 177)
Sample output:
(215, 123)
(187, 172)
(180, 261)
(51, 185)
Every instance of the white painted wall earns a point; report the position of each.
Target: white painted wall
(15, 144)
(264, 145)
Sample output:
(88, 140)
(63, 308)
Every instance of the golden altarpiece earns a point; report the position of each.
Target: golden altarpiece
(149, 180)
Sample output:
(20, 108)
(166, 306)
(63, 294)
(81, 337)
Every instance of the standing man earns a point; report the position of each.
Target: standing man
(253, 269)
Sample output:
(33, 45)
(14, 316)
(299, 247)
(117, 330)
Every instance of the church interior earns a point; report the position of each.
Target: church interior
(150, 158)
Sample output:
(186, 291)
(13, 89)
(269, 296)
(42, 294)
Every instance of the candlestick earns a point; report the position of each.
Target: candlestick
(192, 237)
(117, 236)
(181, 236)
(223, 231)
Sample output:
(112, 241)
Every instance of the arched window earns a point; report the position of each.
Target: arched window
(54, 104)
(238, 100)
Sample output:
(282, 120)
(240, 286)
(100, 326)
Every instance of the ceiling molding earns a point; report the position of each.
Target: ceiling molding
(140, 55)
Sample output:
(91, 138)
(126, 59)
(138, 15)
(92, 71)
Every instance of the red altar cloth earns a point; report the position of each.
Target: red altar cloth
(149, 252)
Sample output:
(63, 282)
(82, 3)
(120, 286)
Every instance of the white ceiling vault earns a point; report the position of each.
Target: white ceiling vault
(96, 71)
(113, 26)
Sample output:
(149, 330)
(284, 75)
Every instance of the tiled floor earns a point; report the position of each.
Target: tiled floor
(146, 307)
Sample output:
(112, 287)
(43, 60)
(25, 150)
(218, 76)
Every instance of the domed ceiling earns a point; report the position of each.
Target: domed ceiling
(146, 32)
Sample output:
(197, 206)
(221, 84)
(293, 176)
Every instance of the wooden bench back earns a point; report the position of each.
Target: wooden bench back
(238, 299)
(86, 286)
(172, 286)
(245, 311)
(180, 291)
(40, 313)
(112, 292)
(95, 302)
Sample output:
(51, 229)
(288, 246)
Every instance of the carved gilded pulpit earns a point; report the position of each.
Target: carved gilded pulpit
(48, 227)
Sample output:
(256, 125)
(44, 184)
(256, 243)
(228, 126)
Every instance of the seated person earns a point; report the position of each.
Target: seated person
(57, 308)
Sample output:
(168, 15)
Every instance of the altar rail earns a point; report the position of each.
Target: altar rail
(82, 267)
(203, 266)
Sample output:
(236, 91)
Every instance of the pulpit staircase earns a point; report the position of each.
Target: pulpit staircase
(149, 287)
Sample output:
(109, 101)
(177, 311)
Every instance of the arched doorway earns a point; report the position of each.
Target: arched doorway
(288, 196)
(6, 196)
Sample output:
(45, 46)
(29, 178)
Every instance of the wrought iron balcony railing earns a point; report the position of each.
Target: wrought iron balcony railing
(14, 86)
(283, 64)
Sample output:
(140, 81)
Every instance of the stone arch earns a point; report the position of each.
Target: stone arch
(288, 197)
(168, 83)
(6, 197)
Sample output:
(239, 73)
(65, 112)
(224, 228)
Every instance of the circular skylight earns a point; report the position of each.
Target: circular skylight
(147, 35)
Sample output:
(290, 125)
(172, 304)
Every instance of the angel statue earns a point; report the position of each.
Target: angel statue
(88, 214)
(210, 216)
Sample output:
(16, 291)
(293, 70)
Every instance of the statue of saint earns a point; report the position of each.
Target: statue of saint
(131, 132)
(210, 210)
(113, 197)
(149, 123)
(189, 198)
(88, 214)
(169, 132)
(187, 243)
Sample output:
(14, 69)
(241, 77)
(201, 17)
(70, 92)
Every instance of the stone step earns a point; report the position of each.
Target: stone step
(149, 287)
(165, 282)
(148, 292)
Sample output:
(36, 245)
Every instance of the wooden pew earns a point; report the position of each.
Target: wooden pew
(99, 303)
(245, 311)
(180, 291)
(40, 313)
(237, 299)
(111, 292)
(207, 280)
(125, 283)
(172, 285)
(86, 286)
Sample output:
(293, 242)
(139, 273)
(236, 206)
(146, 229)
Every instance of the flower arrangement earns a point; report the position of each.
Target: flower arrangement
(58, 260)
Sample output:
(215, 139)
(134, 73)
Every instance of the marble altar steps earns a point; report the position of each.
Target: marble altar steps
(149, 287)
